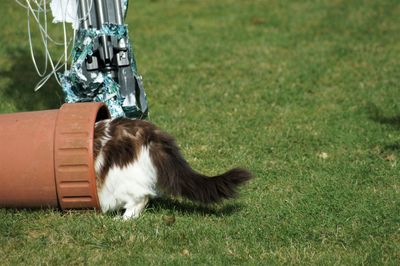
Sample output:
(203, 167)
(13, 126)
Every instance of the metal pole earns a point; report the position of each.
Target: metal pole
(89, 5)
(100, 21)
(84, 14)
(119, 18)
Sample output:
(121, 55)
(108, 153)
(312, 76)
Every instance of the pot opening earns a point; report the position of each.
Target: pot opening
(102, 114)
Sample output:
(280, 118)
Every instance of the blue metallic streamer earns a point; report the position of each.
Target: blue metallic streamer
(80, 85)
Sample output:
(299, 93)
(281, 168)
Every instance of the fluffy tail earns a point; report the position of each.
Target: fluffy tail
(177, 178)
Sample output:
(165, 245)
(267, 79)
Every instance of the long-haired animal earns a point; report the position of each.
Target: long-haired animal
(135, 161)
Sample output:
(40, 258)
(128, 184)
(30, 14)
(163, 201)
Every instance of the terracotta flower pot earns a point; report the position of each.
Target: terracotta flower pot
(46, 157)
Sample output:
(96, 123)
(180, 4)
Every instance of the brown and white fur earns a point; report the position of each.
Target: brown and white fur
(135, 161)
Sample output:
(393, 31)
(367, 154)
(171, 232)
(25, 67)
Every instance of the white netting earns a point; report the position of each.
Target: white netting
(63, 11)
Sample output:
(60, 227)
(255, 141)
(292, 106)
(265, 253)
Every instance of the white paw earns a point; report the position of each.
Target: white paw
(129, 217)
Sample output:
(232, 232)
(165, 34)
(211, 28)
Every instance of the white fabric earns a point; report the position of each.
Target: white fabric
(65, 11)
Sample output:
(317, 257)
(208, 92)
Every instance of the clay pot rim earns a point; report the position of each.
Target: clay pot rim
(64, 129)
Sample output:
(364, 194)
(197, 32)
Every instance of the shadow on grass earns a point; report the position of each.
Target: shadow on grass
(377, 115)
(23, 78)
(190, 208)
(155, 206)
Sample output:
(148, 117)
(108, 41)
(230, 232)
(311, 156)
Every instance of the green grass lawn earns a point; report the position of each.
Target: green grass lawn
(306, 94)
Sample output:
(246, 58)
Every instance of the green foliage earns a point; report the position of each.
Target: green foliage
(303, 93)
